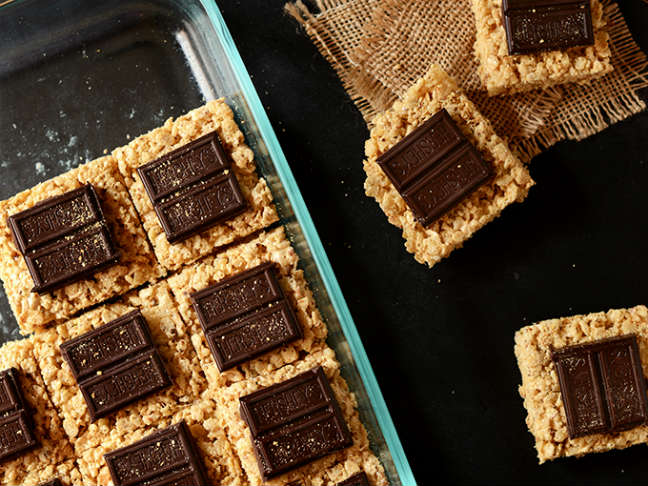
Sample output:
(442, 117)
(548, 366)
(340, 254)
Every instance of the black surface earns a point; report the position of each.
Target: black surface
(441, 340)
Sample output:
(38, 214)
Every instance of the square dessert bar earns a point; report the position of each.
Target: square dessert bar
(135, 264)
(504, 73)
(204, 423)
(190, 168)
(52, 454)
(293, 296)
(583, 382)
(483, 193)
(124, 394)
(330, 469)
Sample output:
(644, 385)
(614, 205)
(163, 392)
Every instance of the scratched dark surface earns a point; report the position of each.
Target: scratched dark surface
(441, 340)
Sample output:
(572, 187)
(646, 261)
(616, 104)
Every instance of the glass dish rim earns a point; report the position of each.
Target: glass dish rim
(312, 238)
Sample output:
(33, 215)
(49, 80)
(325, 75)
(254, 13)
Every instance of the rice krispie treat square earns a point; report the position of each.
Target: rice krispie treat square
(203, 419)
(214, 116)
(53, 448)
(136, 265)
(322, 471)
(269, 246)
(541, 390)
(502, 73)
(509, 183)
(171, 341)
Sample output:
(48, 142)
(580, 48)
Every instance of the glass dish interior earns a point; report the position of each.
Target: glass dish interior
(80, 77)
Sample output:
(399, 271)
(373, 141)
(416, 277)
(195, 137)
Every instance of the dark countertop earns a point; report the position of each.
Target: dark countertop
(441, 340)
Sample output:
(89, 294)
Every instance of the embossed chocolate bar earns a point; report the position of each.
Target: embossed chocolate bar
(64, 239)
(434, 168)
(541, 25)
(294, 422)
(16, 435)
(138, 376)
(244, 339)
(167, 457)
(11, 399)
(359, 479)
(245, 315)
(191, 188)
(602, 386)
(115, 364)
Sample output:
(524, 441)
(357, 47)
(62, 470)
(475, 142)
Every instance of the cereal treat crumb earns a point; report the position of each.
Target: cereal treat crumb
(267, 247)
(53, 454)
(172, 343)
(540, 387)
(214, 116)
(326, 470)
(510, 183)
(203, 419)
(502, 73)
(136, 266)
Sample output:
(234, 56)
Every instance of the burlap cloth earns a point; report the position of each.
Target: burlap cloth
(381, 47)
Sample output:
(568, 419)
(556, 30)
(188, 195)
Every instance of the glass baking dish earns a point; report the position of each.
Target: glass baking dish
(80, 77)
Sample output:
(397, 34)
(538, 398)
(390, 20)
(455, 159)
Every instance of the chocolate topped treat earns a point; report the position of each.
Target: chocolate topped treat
(602, 386)
(64, 239)
(16, 428)
(544, 25)
(192, 188)
(53, 482)
(294, 422)
(245, 315)
(116, 364)
(359, 479)
(434, 167)
(168, 457)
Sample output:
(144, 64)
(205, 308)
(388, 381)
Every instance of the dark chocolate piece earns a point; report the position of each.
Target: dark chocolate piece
(167, 457)
(16, 427)
(294, 423)
(602, 386)
(116, 364)
(64, 239)
(16, 435)
(245, 315)
(11, 399)
(192, 188)
(53, 482)
(434, 168)
(359, 479)
(543, 25)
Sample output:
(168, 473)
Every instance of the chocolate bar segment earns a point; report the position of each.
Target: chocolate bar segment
(64, 239)
(15, 435)
(294, 423)
(10, 394)
(540, 25)
(167, 457)
(602, 386)
(208, 204)
(192, 188)
(247, 338)
(359, 479)
(434, 168)
(245, 315)
(137, 377)
(107, 344)
(116, 364)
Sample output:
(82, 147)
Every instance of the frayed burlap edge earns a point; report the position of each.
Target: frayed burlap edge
(570, 118)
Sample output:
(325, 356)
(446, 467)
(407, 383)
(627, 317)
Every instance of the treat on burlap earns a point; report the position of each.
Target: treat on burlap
(380, 48)
(510, 181)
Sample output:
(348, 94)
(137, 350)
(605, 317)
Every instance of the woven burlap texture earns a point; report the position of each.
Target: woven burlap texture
(379, 48)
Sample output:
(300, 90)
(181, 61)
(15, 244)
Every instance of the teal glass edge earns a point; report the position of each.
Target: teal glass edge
(312, 238)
